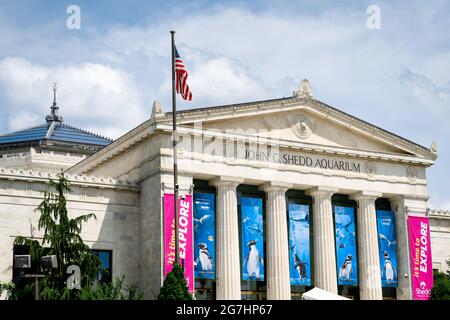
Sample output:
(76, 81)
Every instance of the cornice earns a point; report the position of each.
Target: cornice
(33, 157)
(439, 214)
(76, 180)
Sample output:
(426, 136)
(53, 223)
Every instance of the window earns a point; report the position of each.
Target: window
(105, 256)
(20, 279)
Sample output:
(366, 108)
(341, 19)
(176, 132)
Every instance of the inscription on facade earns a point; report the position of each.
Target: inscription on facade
(302, 160)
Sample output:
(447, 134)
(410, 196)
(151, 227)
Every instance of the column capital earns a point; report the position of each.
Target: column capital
(275, 186)
(321, 190)
(368, 195)
(226, 181)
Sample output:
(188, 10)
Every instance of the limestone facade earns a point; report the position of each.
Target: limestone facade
(296, 143)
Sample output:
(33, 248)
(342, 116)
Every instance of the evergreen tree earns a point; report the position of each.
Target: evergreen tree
(441, 287)
(175, 286)
(61, 237)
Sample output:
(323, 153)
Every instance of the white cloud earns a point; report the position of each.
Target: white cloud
(20, 77)
(430, 96)
(220, 80)
(393, 77)
(93, 94)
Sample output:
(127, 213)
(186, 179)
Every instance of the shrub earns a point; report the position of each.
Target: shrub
(175, 286)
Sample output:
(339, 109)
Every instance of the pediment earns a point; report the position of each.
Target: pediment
(305, 121)
(303, 126)
(300, 123)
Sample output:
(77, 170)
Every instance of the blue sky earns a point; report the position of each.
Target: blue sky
(110, 71)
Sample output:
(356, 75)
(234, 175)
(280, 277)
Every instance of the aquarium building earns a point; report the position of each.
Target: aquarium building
(285, 195)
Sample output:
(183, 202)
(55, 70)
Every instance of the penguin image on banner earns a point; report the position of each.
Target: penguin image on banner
(347, 264)
(253, 260)
(204, 235)
(204, 258)
(252, 243)
(346, 269)
(299, 244)
(388, 270)
(387, 247)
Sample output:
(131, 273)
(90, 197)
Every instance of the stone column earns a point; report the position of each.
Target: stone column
(402, 206)
(228, 275)
(368, 257)
(278, 278)
(325, 272)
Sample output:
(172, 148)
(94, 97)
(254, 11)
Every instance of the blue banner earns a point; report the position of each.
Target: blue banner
(252, 245)
(387, 247)
(347, 264)
(299, 244)
(204, 236)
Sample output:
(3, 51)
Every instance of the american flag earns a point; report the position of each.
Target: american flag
(181, 75)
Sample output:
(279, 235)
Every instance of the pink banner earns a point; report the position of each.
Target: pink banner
(420, 251)
(185, 237)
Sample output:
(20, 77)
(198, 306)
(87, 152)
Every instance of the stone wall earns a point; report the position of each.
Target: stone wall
(440, 238)
(151, 236)
(116, 207)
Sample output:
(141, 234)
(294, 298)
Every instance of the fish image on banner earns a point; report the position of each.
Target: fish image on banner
(387, 247)
(204, 236)
(252, 246)
(347, 264)
(299, 244)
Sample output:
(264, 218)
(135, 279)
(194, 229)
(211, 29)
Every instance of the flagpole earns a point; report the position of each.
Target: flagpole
(174, 145)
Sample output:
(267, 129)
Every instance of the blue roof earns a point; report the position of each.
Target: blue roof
(62, 132)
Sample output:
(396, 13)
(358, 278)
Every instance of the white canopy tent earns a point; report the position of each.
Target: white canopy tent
(320, 294)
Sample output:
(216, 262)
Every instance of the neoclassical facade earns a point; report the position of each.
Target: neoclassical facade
(278, 150)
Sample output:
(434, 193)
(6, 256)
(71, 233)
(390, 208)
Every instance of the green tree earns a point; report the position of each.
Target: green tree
(174, 286)
(441, 288)
(61, 237)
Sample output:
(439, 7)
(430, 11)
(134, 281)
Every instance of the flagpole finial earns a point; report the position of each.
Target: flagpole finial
(172, 31)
